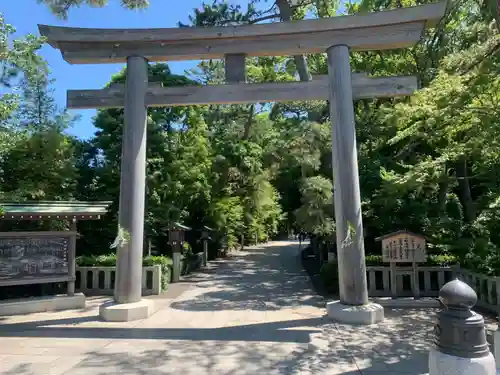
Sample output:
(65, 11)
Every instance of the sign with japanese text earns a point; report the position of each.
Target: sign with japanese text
(403, 247)
(33, 257)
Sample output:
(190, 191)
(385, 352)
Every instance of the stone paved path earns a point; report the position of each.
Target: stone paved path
(253, 314)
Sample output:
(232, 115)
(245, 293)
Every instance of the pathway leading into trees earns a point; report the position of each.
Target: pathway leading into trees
(255, 313)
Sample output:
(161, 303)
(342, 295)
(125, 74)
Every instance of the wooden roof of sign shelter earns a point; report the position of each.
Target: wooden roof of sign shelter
(392, 29)
(397, 233)
(55, 210)
(178, 226)
(363, 86)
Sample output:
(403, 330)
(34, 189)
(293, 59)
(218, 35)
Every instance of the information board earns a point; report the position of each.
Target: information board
(404, 247)
(30, 257)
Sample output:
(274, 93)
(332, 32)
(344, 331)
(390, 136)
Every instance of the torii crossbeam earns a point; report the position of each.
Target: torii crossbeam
(237, 93)
(393, 29)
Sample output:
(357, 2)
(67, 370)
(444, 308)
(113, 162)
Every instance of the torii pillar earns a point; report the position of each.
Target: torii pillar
(354, 306)
(128, 303)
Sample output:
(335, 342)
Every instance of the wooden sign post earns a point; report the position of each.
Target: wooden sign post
(403, 247)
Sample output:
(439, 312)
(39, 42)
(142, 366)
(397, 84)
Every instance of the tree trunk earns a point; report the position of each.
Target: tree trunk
(300, 60)
(497, 18)
(443, 191)
(248, 124)
(464, 190)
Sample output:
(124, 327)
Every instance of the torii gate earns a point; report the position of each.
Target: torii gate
(393, 29)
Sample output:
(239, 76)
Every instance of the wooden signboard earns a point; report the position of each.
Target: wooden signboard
(34, 257)
(403, 247)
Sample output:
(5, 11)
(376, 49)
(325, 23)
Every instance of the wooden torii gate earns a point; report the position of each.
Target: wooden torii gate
(336, 36)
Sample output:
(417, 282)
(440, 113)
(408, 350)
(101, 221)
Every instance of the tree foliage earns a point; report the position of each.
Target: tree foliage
(61, 7)
(428, 163)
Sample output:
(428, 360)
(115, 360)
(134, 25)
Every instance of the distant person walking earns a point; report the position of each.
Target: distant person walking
(302, 237)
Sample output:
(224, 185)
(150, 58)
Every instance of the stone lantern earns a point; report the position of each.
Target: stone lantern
(176, 233)
(205, 237)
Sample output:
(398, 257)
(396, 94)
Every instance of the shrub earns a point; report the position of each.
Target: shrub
(374, 260)
(96, 261)
(186, 250)
(488, 264)
(166, 267)
(441, 260)
(109, 260)
(432, 260)
(329, 274)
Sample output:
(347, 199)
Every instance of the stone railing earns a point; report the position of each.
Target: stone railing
(101, 280)
(431, 279)
(486, 287)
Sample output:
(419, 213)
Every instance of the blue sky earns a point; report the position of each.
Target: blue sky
(26, 14)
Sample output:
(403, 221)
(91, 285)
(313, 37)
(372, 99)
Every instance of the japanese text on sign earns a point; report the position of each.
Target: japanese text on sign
(25, 257)
(404, 248)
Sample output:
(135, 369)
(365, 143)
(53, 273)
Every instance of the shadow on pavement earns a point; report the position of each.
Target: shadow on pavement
(264, 332)
(266, 279)
(400, 347)
(260, 278)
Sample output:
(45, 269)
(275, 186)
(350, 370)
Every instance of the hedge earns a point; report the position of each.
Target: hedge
(110, 261)
(432, 260)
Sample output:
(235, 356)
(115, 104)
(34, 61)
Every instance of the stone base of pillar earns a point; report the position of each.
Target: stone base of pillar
(370, 313)
(496, 346)
(42, 304)
(444, 364)
(407, 303)
(126, 312)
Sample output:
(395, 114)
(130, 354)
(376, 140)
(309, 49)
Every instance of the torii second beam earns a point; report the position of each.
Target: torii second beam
(363, 87)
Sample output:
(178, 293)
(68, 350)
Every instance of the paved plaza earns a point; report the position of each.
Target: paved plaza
(254, 313)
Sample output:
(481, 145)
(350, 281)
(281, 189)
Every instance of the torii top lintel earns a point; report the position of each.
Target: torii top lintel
(392, 29)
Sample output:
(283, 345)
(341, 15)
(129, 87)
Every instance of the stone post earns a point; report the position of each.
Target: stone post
(496, 338)
(72, 258)
(347, 199)
(496, 334)
(128, 284)
(176, 263)
(460, 346)
(205, 252)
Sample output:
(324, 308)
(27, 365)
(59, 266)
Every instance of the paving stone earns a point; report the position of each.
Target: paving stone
(255, 312)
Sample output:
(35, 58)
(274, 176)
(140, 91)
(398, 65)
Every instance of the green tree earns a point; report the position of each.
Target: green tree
(36, 159)
(18, 61)
(62, 7)
(315, 215)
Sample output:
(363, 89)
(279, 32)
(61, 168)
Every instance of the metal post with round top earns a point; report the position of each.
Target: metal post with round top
(460, 345)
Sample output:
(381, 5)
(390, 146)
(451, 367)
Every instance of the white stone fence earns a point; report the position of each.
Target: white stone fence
(101, 280)
(430, 280)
